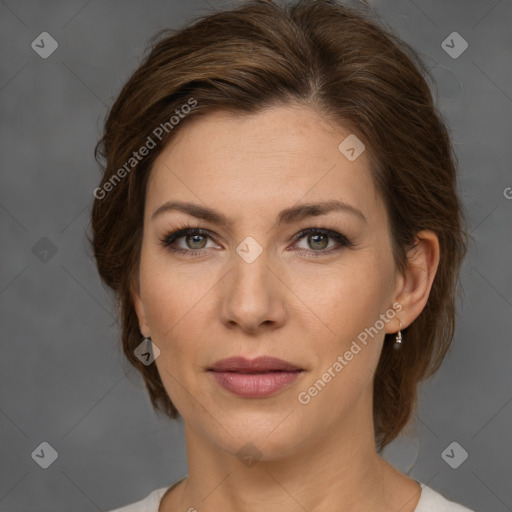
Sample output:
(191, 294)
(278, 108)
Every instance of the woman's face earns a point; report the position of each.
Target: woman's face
(249, 286)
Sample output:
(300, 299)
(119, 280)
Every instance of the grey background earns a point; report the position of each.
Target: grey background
(63, 379)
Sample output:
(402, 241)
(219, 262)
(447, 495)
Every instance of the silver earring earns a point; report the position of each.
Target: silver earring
(398, 337)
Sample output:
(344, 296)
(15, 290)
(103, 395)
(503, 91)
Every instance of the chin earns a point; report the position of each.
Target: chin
(259, 435)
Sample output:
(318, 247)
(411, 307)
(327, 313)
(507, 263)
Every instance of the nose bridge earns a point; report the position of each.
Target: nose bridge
(250, 279)
(251, 296)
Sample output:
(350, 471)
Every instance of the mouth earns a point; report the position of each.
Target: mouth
(256, 378)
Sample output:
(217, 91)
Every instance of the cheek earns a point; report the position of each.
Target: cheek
(350, 300)
(349, 296)
(170, 292)
(174, 302)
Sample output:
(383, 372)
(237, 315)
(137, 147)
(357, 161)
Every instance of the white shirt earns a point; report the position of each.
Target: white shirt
(430, 501)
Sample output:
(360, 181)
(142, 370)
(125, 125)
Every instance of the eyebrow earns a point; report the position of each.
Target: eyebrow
(287, 216)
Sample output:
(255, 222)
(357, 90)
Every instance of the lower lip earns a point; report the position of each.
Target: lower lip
(255, 385)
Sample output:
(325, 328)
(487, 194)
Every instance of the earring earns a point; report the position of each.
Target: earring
(398, 338)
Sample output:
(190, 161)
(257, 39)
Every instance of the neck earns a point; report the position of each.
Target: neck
(338, 471)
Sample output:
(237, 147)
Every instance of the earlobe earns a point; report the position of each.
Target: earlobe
(418, 276)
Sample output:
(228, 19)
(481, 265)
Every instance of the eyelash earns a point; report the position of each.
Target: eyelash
(187, 229)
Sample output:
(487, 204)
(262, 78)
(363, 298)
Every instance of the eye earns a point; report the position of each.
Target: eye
(192, 241)
(318, 241)
(187, 241)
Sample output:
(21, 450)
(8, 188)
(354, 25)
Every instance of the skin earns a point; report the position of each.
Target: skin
(286, 303)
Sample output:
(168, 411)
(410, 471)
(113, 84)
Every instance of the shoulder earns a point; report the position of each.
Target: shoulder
(432, 501)
(149, 504)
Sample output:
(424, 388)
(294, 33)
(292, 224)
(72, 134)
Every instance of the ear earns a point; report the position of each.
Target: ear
(139, 308)
(415, 282)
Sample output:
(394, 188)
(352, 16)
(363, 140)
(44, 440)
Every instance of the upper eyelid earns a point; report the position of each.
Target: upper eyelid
(319, 225)
(178, 233)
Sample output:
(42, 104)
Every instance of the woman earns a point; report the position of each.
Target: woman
(279, 221)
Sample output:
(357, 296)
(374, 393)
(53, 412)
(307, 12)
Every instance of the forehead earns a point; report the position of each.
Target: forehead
(244, 164)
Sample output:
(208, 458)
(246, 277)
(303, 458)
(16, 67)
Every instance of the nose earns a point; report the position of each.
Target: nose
(253, 297)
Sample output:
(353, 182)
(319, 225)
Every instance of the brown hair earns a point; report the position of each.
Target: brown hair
(354, 72)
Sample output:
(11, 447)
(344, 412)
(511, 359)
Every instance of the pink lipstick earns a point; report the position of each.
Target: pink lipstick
(254, 378)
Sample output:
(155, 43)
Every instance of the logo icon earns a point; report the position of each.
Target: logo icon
(351, 147)
(45, 455)
(44, 45)
(147, 352)
(454, 455)
(44, 249)
(454, 45)
(249, 249)
(249, 455)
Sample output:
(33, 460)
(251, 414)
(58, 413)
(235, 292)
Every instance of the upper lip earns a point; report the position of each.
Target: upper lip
(259, 364)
